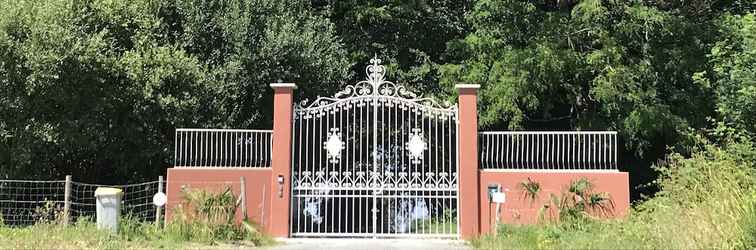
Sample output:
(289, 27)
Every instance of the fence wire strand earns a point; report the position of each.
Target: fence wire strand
(24, 202)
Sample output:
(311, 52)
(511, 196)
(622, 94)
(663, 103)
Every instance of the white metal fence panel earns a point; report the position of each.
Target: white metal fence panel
(241, 148)
(553, 150)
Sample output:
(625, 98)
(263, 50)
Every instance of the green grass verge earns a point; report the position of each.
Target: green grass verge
(131, 235)
(204, 219)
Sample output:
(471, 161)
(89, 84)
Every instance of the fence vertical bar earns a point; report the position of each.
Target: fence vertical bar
(159, 209)
(243, 196)
(175, 147)
(67, 201)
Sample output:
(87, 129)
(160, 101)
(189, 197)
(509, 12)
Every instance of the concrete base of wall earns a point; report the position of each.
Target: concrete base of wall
(518, 209)
(257, 188)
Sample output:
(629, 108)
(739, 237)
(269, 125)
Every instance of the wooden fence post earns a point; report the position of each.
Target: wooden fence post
(159, 209)
(67, 201)
(243, 196)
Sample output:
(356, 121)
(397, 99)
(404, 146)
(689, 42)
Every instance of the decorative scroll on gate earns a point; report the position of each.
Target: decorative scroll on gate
(374, 160)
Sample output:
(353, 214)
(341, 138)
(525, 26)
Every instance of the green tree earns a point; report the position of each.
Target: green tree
(409, 36)
(593, 65)
(95, 88)
(733, 74)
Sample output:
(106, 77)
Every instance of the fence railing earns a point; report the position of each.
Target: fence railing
(223, 148)
(558, 150)
(26, 202)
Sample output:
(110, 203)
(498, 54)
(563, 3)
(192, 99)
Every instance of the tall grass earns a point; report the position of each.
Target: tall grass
(82, 234)
(707, 200)
(210, 217)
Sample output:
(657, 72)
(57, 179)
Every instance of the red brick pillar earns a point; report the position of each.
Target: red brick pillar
(281, 161)
(469, 211)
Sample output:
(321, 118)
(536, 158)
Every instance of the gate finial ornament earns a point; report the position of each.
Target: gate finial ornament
(374, 86)
(376, 73)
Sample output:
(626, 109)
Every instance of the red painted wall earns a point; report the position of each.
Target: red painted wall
(257, 187)
(521, 210)
(281, 159)
(469, 218)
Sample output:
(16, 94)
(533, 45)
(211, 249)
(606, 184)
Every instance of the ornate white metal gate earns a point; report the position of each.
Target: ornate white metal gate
(374, 161)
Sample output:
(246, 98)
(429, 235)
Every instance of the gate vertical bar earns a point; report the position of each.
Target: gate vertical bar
(374, 151)
(469, 188)
(281, 158)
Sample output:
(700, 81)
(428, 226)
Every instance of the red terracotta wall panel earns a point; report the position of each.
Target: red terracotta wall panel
(257, 187)
(519, 209)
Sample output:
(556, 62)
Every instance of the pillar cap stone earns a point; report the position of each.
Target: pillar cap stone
(283, 85)
(467, 86)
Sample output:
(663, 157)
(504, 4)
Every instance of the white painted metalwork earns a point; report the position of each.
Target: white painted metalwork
(416, 145)
(375, 160)
(550, 151)
(218, 148)
(334, 145)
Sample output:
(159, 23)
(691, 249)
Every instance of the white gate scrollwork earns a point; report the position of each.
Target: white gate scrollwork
(374, 160)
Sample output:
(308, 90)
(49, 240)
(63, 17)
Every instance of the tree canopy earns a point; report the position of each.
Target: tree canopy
(97, 87)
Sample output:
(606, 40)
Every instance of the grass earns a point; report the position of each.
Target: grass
(204, 220)
(432, 226)
(83, 234)
(707, 200)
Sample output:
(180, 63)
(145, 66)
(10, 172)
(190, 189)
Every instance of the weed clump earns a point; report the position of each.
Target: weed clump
(210, 217)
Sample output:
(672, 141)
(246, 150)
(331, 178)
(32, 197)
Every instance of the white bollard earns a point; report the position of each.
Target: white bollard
(108, 207)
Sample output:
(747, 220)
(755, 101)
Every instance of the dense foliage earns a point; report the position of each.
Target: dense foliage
(628, 66)
(95, 88)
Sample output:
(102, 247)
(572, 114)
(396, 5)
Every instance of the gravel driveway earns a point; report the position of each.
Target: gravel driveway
(369, 244)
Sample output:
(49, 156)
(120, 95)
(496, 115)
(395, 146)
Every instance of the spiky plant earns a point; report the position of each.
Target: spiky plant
(600, 203)
(530, 189)
(580, 202)
(580, 187)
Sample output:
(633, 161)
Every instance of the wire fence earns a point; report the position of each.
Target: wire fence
(24, 202)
